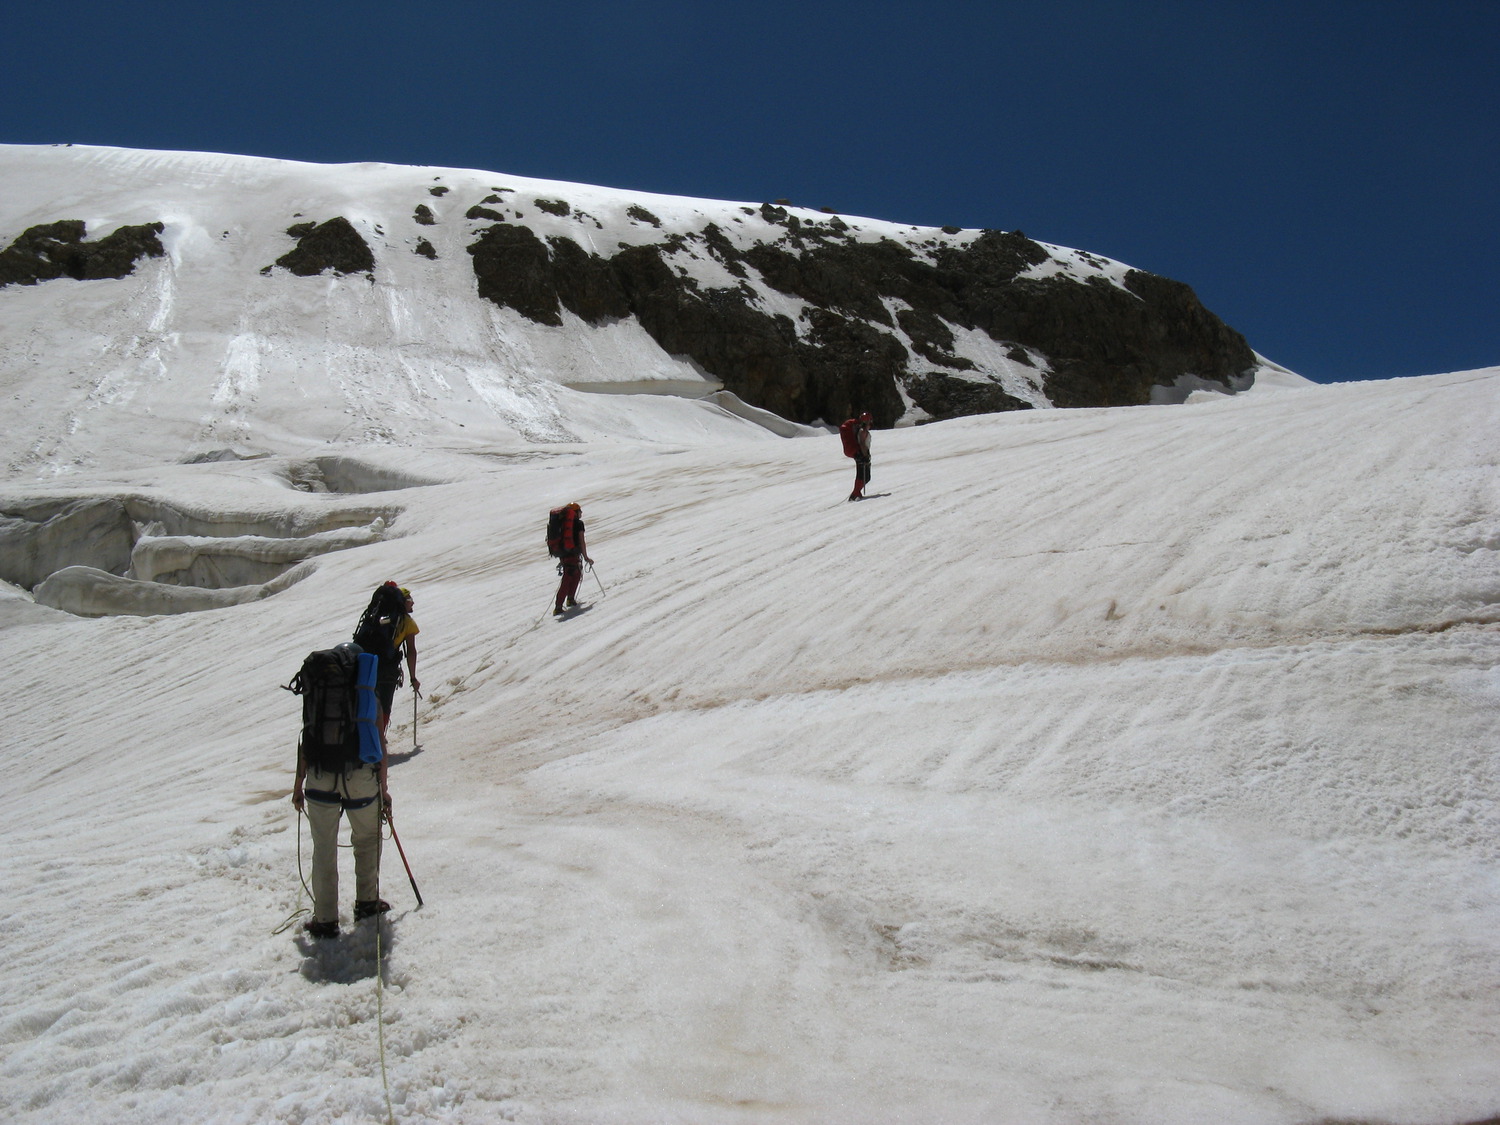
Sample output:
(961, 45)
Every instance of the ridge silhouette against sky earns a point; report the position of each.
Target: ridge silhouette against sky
(1323, 173)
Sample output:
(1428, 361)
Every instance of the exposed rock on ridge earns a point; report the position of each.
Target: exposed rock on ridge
(56, 250)
(334, 245)
(811, 315)
(1105, 344)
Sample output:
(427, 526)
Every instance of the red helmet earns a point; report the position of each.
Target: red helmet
(865, 417)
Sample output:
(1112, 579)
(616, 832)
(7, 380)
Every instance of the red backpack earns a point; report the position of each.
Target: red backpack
(849, 434)
(561, 541)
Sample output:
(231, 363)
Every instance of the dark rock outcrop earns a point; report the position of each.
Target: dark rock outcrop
(516, 269)
(55, 250)
(333, 245)
(948, 396)
(1105, 345)
(1109, 346)
(931, 338)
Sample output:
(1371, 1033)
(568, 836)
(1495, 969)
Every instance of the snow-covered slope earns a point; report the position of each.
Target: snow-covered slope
(1128, 766)
(209, 354)
(214, 346)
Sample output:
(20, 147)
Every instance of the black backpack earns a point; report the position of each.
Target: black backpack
(376, 631)
(326, 683)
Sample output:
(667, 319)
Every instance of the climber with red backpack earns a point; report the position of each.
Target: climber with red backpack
(855, 434)
(565, 543)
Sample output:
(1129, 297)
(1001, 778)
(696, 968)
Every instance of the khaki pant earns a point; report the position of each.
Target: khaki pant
(354, 786)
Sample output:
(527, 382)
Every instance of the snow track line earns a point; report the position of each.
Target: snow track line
(662, 706)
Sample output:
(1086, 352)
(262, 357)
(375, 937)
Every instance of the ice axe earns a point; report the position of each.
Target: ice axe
(409, 878)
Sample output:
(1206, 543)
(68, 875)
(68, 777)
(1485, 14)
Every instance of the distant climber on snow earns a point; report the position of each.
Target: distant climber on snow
(565, 543)
(855, 434)
(387, 630)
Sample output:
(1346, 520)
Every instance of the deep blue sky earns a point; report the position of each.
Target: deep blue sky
(1325, 173)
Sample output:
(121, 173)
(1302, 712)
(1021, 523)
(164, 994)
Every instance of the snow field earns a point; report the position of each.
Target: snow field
(1125, 766)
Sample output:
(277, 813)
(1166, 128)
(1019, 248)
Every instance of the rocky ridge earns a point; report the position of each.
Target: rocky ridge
(808, 314)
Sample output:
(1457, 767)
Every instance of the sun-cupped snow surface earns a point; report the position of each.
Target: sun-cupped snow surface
(1130, 766)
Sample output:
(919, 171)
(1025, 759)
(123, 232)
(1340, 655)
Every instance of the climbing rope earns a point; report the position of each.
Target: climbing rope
(385, 1082)
(301, 910)
(390, 1113)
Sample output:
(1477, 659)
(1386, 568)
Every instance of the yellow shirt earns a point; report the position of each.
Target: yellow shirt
(405, 628)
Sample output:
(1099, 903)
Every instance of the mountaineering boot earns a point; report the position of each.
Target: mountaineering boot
(321, 929)
(368, 908)
(557, 611)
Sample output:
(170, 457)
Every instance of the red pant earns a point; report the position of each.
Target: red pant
(861, 475)
(571, 570)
